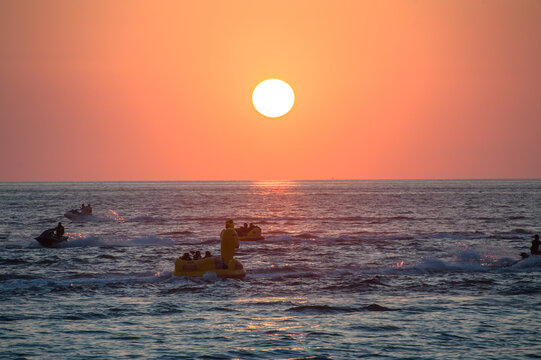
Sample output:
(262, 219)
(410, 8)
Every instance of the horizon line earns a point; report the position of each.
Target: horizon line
(269, 180)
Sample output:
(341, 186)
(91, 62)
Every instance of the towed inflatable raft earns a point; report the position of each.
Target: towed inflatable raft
(253, 234)
(196, 268)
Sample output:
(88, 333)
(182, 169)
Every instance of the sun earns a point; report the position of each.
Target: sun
(273, 98)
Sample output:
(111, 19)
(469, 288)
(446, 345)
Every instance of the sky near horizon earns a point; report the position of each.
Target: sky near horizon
(161, 90)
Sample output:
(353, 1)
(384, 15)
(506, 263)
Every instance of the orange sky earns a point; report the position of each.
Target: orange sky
(161, 90)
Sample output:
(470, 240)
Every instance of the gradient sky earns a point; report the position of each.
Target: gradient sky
(161, 90)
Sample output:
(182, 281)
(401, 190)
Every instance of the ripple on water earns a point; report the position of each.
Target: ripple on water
(328, 309)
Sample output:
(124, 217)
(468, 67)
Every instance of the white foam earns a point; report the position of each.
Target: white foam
(470, 259)
(100, 281)
(79, 240)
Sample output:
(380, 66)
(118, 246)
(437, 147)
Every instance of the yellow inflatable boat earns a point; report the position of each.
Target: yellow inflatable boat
(253, 234)
(196, 268)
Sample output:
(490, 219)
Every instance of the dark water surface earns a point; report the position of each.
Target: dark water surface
(348, 270)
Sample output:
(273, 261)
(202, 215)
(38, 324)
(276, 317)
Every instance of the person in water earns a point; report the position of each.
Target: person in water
(229, 241)
(59, 230)
(534, 249)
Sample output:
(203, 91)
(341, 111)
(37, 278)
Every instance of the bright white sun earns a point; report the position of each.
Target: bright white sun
(273, 98)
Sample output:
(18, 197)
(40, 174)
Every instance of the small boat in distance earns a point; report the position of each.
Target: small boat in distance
(249, 233)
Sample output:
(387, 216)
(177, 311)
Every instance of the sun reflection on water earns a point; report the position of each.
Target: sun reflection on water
(275, 183)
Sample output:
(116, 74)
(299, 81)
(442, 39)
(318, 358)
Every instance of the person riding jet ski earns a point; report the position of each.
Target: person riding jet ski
(52, 237)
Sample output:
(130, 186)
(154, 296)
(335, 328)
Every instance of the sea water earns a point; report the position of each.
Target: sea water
(347, 270)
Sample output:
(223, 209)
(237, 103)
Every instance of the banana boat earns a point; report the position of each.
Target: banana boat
(251, 234)
(197, 268)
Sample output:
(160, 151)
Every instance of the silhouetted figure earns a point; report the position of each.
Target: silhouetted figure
(59, 230)
(186, 256)
(251, 227)
(241, 231)
(229, 241)
(207, 254)
(534, 249)
(197, 255)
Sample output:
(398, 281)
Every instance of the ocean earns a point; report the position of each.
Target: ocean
(398, 269)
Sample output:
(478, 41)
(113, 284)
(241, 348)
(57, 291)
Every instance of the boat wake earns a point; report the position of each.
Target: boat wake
(79, 240)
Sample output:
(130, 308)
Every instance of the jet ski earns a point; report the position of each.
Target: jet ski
(524, 256)
(252, 233)
(197, 268)
(75, 214)
(48, 238)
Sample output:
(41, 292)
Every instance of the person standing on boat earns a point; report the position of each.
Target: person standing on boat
(229, 241)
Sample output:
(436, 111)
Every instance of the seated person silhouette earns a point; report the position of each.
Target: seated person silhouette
(59, 230)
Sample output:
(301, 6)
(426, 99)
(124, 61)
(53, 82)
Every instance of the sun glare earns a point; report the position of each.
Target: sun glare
(273, 98)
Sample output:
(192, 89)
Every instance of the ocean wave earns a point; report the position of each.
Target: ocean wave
(77, 316)
(456, 235)
(48, 261)
(21, 283)
(305, 236)
(147, 241)
(357, 285)
(148, 219)
(523, 289)
(467, 260)
(184, 232)
(8, 276)
(93, 218)
(532, 262)
(166, 309)
(375, 236)
(95, 241)
(276, 232)
(277, 219)
(281, 272)
(328, 309)
(13, 262)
